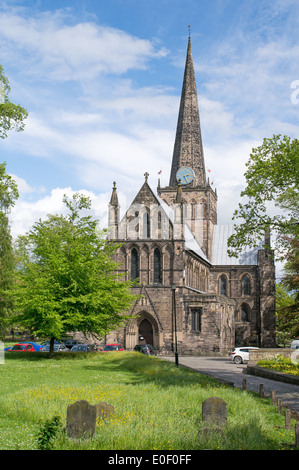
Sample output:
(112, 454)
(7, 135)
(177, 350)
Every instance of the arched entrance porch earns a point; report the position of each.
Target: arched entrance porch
(145, 332)
(143, 329)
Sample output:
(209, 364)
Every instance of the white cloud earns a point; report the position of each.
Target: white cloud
(23, 186)
(59, 51)
(26, 213)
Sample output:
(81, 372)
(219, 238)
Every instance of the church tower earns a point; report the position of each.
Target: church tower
(188, 166)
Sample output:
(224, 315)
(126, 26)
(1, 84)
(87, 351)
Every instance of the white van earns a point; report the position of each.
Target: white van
(295, 344)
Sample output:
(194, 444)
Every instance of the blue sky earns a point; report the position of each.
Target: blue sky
(102, 82)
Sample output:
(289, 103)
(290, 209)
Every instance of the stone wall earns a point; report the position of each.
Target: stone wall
(268, 354)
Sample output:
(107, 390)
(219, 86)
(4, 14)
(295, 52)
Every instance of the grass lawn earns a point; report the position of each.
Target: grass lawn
(158, 406)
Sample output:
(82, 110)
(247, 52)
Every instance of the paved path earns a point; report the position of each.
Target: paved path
(223, 368)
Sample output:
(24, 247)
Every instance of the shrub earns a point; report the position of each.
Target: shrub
(48, 432)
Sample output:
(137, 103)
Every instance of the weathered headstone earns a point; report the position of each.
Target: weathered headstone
(81, 419)
(214, 411)
(104, 410)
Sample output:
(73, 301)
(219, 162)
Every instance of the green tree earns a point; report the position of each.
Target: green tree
(67, 278)
(287, 321)
(8, 196)
(288, 307)
(12, 115)
(271, 197)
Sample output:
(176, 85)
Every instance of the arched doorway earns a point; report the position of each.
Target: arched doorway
(146, 331)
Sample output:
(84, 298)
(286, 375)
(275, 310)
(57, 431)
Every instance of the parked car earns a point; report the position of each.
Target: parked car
(145, 349)
(295, 344)
(69, 343)
(46, 343)
(112, 347)
(82, 348)
(57, 347)
(25, 347)
(240, 355)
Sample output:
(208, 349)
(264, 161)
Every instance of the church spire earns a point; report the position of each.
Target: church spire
(188, 150)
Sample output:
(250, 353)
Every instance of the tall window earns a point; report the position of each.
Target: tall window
(159, 234)
(223, 285)
(245, 310)
(134, 264)
(157, 267)
(246, 285)
(146, 226)
(196, 319)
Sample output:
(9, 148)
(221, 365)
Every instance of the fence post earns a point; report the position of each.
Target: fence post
(288, 418)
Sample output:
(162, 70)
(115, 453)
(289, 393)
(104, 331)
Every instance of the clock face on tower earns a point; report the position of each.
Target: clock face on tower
(185, 174)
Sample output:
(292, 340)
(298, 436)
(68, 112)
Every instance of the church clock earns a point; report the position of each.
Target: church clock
(185, 175)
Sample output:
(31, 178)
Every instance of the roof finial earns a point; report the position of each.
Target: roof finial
(189, 26)
(146, 176)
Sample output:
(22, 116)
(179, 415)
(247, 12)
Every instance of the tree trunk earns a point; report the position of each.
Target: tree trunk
(51, 352)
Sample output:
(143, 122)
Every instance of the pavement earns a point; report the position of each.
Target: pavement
(224, 369)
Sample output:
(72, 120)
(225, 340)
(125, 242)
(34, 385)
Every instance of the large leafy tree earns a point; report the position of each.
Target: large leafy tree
(288, 307)
(12, 115)
(67, 278)
(8, 196)
(270, 201)
(287, 318)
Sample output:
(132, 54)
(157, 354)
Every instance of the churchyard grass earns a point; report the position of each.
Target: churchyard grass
(158, 406)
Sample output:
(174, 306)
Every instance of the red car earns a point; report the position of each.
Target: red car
(23, 347)
(112, 347)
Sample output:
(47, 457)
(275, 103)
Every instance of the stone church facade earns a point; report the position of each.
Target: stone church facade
(193, 297)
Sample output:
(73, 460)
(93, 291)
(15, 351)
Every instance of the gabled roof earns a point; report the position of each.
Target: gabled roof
(145, 195)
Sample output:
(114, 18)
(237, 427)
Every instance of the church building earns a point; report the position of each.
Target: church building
(193, 298)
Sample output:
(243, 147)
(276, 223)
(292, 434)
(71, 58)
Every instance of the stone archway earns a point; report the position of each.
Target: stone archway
(145, 331)
(146, 326)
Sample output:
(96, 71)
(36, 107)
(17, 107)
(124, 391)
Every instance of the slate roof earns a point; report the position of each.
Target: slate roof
(219, 250)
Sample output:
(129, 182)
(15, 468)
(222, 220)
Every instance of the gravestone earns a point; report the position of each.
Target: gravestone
(104, 410)
(214, 411)
(81, 420)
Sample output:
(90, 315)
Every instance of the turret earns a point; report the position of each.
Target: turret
(113, 215)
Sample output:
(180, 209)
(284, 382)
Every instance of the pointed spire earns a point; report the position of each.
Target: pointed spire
(188, 149)
(114, 198)
(113, 215)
